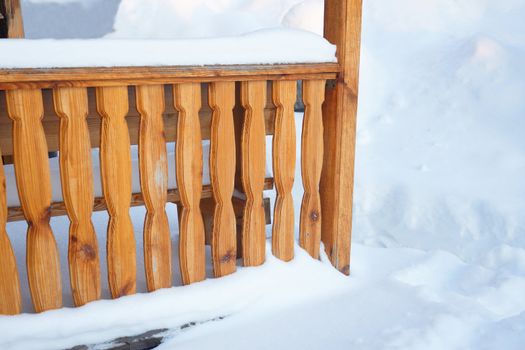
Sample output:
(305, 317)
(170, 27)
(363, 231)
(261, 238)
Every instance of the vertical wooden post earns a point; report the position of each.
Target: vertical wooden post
(10, 298)
(192, 253)
(11, 23)
(342, 26)
(71, 105)
(25, 108)
(222, 172)
(311, 166)
(284, 95)
(153, 164)
(253, 146)
(115, 161)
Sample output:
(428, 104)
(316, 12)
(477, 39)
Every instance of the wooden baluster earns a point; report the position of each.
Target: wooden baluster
(25, 108)
(154, 185)
(222, 173)
(10, 299)
(115, 161)
(71, 105)
(284, 95)
(192, 256)
(253, 147)
(311, 165)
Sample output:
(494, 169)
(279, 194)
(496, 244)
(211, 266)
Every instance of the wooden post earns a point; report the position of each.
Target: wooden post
(342, 26)
(11, 23)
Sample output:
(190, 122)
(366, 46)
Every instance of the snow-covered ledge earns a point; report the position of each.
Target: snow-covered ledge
(270, 46)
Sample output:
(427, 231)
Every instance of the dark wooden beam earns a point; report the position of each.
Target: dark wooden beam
(11, 23)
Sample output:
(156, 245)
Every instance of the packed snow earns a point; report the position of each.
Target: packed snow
(287, 46)
(438, 254)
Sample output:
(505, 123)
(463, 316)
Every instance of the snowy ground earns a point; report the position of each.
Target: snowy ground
(438, 255)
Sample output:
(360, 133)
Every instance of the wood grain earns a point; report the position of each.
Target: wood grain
(222, 173)
(10, 295)
(311, 165)
(120, 76)
(284, 149)
(170, 115)
(34, 190)
(253, 147)
(12, 24)
(153, 164)
(343, 28)
(115, 164)
(187, 99)
(137, 199)
(76, 176)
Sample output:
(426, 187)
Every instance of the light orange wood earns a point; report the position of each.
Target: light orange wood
(154, 185)
(311, 165)
(115, 164)
(284, 96)
(187, 98)
(12, 25)
(34, 190)
(222, 173)
(10, 299)
(77, 189)
(59, 208)
(170, 115)
(119, 76)
(253, 147)
(343, 28)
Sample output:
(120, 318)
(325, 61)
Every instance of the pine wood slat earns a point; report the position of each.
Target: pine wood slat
(153, 163)
(284, 95)
(10, 298)
(253, 147)
(187, 98)
(34, 189)
(222, 173)
(119, 76)
(115, 161)
(76, 176)
(343, 28)
(311, 165)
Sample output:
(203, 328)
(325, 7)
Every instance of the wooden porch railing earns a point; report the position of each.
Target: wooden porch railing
(93, 108)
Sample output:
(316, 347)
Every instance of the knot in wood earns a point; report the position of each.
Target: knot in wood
(229, 256)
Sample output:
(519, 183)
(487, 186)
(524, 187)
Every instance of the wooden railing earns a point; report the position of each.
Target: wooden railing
(24, 136)
(74, 110)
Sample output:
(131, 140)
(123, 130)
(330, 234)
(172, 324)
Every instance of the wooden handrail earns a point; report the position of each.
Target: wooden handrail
(117, 76)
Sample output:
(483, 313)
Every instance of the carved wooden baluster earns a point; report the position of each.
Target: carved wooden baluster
(25, 108)
(284, 95)
(115, 161)
(71, 105)
(253, 147)
(222, 173)
(311, 165)
(187, 99)
(10, 299)
(154, 185)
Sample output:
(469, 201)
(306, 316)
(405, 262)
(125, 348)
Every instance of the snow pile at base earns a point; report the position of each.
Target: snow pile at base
(270, 46)
(253, 290)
